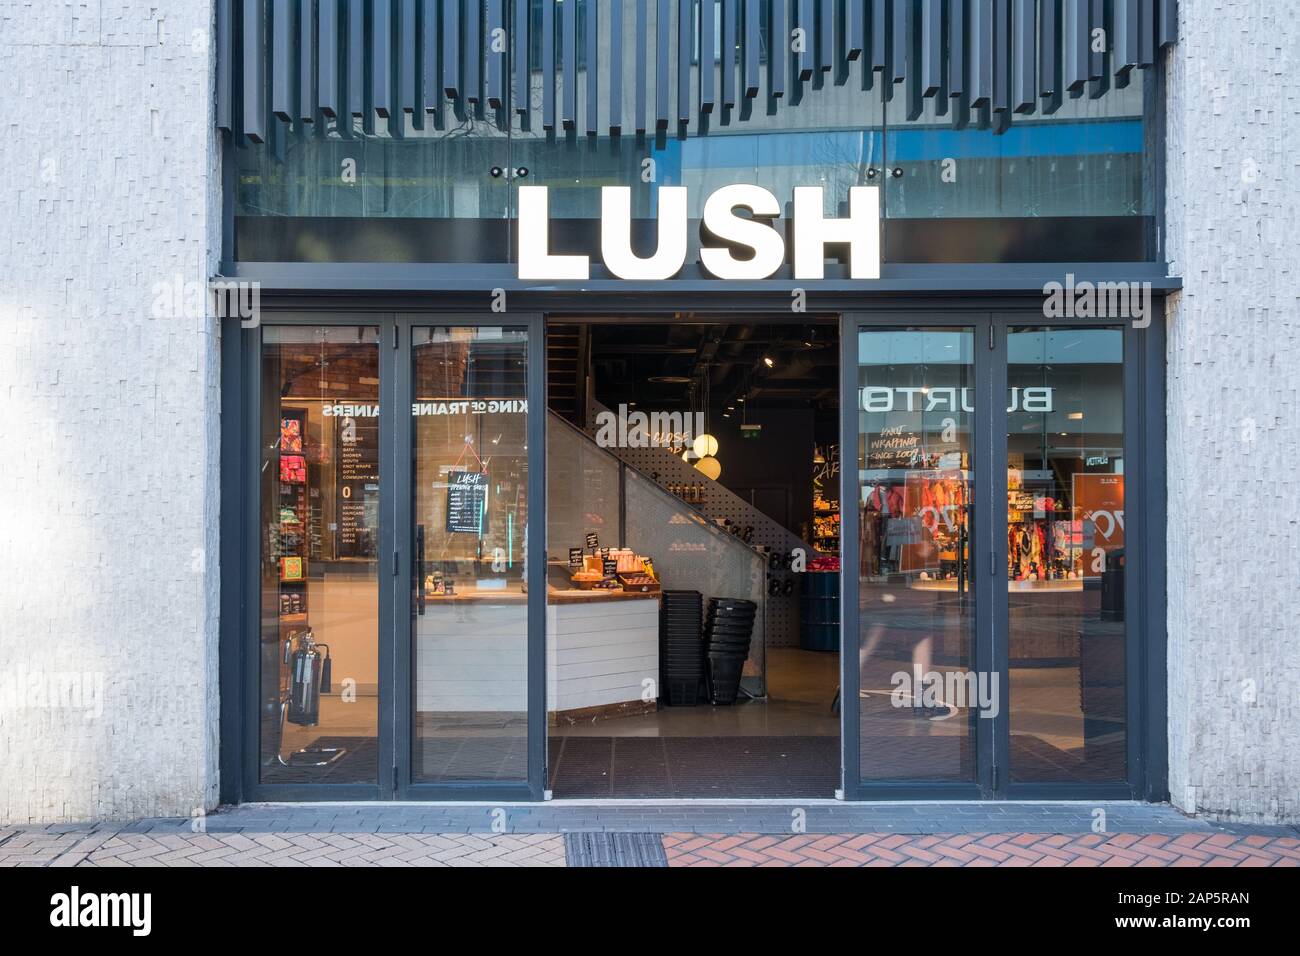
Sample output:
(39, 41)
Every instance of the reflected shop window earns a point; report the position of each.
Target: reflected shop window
(469, 624)
(919, 693)
(319, 479)
(1065, 555)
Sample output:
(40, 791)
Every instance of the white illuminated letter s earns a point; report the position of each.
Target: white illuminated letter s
(720, 220)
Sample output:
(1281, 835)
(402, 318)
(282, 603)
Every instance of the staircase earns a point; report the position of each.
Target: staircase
(721, 505)
(567, 371)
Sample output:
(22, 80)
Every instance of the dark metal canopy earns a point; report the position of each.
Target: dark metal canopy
(326, 62)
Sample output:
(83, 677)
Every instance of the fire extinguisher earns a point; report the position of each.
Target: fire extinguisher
(309, 678)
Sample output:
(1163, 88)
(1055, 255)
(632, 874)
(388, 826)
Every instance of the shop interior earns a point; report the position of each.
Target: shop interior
(693, 559)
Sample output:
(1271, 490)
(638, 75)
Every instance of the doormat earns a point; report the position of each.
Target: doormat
(686, 767)
(614, 849)
(359, 764)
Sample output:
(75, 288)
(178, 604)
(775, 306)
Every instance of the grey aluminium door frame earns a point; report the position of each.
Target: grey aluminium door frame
(533, 788)
(241, 637)
(978, 319)
(1145, 506)
(1145, 428)
(241, 604)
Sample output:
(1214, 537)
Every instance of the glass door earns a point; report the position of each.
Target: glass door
(317, 673)
(995, 645)
(921, 682)
(1066, 633)
(466, 642)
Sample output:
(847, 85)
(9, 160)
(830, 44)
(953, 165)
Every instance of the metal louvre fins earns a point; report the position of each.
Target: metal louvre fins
(610, 66)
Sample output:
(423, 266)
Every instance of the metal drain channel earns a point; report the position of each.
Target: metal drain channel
(614, 849)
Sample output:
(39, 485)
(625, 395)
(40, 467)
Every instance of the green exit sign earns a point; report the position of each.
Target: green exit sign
(750, 431)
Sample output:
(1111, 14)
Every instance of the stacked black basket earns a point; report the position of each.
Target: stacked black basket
(728, 628)
(681, 652)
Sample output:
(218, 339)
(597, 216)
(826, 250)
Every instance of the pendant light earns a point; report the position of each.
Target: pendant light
(710, 467)
(705, 445)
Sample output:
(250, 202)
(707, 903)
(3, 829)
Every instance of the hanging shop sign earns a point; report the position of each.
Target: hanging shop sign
(467, 502)
(812, 232)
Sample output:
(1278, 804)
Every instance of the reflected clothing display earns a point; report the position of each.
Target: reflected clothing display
(917, 621)
(1065, 521)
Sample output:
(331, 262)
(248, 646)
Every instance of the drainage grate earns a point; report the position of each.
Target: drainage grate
(614, 849)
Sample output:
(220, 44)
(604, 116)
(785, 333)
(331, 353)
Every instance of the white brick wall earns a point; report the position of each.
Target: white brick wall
(1234, 432)
(108, 481)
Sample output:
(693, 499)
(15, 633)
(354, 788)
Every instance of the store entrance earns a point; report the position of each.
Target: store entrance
(692, 625)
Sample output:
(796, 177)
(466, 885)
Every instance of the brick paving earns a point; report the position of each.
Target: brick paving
(112, 847)
(980, 849)
(691, 834)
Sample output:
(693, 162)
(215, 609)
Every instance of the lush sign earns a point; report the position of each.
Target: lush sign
(812, 232)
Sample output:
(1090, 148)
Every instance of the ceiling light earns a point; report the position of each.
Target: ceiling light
(705, 445)
(1076, 416)
(710, 467)
(767, 360)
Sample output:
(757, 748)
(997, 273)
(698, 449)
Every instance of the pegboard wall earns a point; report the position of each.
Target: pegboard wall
(720, 505)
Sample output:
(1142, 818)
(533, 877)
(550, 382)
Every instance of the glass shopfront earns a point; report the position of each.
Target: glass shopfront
(933, 500)
(989, 610)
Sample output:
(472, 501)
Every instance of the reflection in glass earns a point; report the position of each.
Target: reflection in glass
(919, 691)
(1075, 184)
(319, 476)
(1065, 566)
(469, 626)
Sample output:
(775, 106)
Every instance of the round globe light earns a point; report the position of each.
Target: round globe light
(706, 445)
(710, 467)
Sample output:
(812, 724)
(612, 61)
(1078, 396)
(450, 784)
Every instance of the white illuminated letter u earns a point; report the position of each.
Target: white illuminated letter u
(616, 234)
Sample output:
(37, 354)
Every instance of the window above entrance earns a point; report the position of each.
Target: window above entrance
(400, 131)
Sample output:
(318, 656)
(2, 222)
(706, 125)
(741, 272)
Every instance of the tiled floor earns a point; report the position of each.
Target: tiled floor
(812, 833)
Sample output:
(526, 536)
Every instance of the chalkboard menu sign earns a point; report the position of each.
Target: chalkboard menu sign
(593, 541)
(610, 566)
(467, 502)
(575, 559)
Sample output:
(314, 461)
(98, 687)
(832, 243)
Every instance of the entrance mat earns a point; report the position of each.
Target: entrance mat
(684, 767)
(359, 764)
(614, 849)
